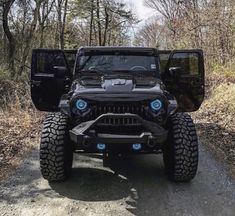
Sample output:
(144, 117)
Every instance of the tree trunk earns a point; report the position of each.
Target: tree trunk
(28, 39)
(106, 26)
(10, 38)
(59, 10)
(98, 21)
(91, 23)
(43, 19)
(41, 37)
(62, 43)
(61, 20)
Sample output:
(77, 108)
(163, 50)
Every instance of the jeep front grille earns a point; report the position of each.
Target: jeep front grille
(118, 108)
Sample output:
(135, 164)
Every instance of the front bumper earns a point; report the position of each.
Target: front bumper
(86, 136)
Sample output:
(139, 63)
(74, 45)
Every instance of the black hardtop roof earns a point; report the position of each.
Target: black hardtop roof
(118, 49)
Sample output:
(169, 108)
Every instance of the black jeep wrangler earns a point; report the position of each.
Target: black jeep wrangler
(118, 100)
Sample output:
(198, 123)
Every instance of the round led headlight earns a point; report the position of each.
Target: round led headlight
(156, 105)
(81, 105)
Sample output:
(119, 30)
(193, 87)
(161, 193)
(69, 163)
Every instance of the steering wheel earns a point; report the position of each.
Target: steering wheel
(138, 68)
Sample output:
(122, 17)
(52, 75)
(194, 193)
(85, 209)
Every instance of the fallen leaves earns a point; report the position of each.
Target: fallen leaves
(216, 123)
(19, 133)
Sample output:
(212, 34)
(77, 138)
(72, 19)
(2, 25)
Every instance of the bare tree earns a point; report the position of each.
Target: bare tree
(29, 37)
(199, 24)
(91, 22)
(43, 16)
(12, 46)
(62, 10)
(31, 24)
(98, 22)
(169, 9)
(150, 34)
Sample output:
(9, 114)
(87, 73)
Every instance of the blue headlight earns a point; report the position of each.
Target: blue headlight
(136, 147)
(101, 146)
(156, 105)
(81, 105)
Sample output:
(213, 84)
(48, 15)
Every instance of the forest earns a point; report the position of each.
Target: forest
(70, 24)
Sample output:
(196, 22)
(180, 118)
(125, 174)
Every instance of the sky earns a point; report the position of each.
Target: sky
(142, 11)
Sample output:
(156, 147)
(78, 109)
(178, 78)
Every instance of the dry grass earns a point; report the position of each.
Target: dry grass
(220, 107)
(215, 120)
(226, 72)
(19, 125)
(19, 132)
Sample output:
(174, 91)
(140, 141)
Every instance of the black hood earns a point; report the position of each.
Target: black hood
(117, 80)
(123, 89)
(118, 85)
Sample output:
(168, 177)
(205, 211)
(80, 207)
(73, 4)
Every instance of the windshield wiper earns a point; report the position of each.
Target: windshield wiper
(91, 72)
(129, 73)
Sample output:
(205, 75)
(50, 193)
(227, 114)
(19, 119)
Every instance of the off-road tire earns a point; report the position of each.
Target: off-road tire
(181, 150)
(56, 154)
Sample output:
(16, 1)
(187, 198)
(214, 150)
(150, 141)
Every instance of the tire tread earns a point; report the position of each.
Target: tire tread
(55, 148)
(181, 150)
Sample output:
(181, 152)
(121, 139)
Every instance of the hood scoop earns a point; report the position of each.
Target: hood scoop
(118, 85)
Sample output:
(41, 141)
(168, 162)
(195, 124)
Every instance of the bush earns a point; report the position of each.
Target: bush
(14, 95)
(226, 71)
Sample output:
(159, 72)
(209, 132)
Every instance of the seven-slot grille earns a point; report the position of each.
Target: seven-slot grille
(139, 109)
(119, 108)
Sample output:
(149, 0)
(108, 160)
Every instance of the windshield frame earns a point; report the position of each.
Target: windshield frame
(156, 73)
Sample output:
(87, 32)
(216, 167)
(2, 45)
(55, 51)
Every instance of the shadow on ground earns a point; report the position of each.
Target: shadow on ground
(134, 185)
(139, 180)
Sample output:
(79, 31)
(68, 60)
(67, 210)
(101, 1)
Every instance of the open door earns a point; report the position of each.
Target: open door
(50, 78)
(164, 56)
(184, 76)
(70, 56)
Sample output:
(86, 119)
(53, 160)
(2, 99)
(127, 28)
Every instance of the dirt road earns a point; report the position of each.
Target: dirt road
(133, 186)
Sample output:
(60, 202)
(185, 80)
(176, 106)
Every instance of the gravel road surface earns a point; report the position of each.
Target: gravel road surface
(132, 186)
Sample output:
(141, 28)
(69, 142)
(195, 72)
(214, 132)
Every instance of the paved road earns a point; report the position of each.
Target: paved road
(134, 186)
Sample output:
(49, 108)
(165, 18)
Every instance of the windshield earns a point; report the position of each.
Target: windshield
(146, 65)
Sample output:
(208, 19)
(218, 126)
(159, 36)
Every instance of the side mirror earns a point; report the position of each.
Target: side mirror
(60, 71)
(175, 72)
